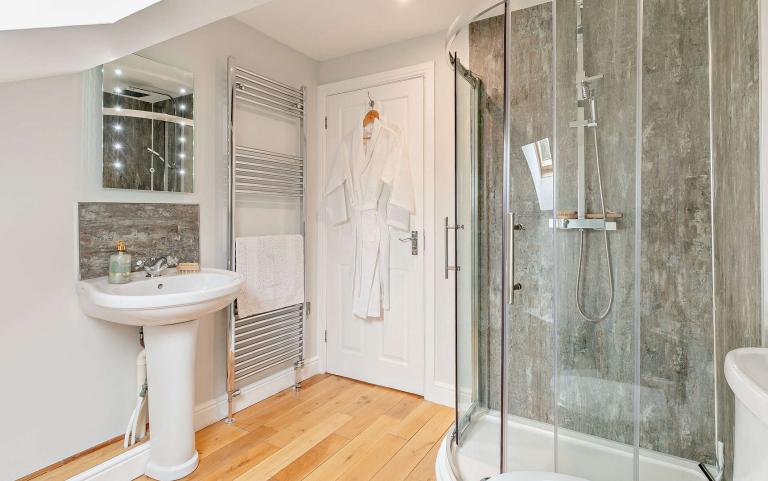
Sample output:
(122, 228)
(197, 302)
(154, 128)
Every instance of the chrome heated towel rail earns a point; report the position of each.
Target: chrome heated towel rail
(267, 340)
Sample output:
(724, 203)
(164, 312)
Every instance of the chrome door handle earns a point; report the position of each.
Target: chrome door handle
(447, 228)
(414, 240)
(512, 286)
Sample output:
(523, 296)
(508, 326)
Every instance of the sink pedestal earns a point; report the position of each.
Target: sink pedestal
(168, 308)
(171, 379)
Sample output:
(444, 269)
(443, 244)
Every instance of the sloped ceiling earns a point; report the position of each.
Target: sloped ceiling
(20, 15)
(46, 52)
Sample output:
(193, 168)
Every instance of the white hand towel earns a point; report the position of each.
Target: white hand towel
(273, 267)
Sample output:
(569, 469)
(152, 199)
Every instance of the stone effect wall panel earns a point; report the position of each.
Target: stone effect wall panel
(149, 230)
(735, 122)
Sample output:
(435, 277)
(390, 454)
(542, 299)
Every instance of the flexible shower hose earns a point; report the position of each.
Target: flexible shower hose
(602, 314)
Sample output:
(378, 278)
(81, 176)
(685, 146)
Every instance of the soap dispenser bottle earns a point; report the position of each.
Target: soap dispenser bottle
(120, 265)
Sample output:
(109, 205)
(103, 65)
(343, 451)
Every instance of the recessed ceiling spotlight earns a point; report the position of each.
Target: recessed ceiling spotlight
(182, 155)
(117, 164)
(182, 124)
(183, 107)
(182, 172)
(118, 146)
(118, 90)
(117, 127)
(182, 139)
(118, 108)
(118, 72)
(182, 90)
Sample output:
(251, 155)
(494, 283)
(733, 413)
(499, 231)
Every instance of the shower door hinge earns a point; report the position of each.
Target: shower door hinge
(326, 123)
(307, 307)
(325, 335)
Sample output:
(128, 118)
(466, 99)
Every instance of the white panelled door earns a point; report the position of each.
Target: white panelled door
(388, 351)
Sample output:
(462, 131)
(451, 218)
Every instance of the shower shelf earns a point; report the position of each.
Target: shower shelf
(578, 224)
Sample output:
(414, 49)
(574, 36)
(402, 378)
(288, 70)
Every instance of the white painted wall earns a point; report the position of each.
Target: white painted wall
(403, 54)
(68, 381)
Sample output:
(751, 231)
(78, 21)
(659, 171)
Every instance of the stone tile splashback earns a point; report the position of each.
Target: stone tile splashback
(149, 230)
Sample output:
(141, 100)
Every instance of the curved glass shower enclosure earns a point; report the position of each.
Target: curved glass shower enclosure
(583, 234)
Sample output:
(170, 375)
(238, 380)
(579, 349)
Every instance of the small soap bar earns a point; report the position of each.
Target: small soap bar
(187, 267)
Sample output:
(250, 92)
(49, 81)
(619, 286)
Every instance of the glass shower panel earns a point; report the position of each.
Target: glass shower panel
(528, 374)
(478, 438)
(677, 387)
(467, 372)
(595, 172)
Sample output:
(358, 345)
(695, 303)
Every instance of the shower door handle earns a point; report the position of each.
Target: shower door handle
(455, 228)
(512, 286)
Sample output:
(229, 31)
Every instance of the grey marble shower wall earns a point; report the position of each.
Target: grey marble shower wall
(595, 368)
(735, 122)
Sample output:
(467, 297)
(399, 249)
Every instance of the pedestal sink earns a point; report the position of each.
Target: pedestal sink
(168, 307)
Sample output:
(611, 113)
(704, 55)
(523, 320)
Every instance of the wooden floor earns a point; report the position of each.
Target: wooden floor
(333, 429)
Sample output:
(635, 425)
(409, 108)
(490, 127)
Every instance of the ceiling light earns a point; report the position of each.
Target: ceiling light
(117, 164)
(118, 90)
(182, 139)
(183, 107)
(182, 90)
(118, 72)
(117, 127)
(182, 155)
(118, 146)
(182, 172)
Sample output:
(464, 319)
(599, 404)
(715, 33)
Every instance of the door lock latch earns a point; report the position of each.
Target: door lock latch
(414, 240)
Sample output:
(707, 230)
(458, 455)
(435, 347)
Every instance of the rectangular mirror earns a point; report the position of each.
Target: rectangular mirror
(148, 126)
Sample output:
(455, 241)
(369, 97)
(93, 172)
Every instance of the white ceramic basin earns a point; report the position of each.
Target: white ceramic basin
(157, 301)
(746, 371)
(168, 307)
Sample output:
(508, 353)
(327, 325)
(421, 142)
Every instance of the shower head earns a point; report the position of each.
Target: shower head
(170, 165)
(156, 154)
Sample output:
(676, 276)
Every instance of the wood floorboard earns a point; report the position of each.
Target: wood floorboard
(332, 429)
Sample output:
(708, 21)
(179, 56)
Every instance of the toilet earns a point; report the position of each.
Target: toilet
(746, 371)
(534, 476)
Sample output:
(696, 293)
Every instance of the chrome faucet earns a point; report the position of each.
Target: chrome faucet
(155, 267)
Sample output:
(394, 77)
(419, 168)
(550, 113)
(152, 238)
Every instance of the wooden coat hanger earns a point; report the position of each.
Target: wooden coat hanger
(372, 114)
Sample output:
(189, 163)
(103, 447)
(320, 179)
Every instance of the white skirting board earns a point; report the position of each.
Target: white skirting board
(441, 393)
(216, 409)
(130, 464)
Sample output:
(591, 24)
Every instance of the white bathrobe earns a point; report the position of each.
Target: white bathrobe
(372, 178)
